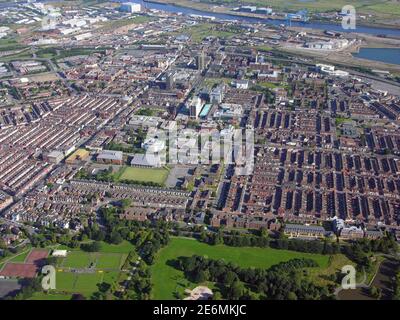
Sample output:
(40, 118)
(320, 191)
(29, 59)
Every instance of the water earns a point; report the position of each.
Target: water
(276, 22)
(388, 55)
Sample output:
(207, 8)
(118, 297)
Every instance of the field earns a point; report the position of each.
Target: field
(167, 279)
(144, 174)
(113, 24)
(383, 11)
(54, 296)
(10, 44)
(20, 257)
(199, 32)
(85, 284)
(385, 6)
(106, 267)
(53, 52)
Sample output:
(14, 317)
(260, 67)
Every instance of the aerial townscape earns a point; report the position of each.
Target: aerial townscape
(199, 150)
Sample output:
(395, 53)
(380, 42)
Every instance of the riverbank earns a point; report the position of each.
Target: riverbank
(346, 56)
(280, 18)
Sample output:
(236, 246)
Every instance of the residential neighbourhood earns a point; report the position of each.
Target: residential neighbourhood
(133, 133)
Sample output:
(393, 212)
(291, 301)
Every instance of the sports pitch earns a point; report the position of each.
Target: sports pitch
(81, 260)
(156, 175)
(81, 272)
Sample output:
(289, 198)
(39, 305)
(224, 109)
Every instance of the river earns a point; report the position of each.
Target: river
(388, 55)
(276, 22)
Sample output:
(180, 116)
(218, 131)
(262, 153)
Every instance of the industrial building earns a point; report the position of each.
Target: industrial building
(130, 7)
(110, 157)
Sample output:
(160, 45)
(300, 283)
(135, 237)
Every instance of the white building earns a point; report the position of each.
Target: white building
(130, 7)
(240, 84)
(59, 253)
(195, 107)
(153, 145)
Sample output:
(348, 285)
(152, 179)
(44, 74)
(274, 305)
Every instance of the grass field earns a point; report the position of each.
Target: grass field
(21, 256)
(158, 175)
(85, 284)
(200, 31)
(107, 262)
(123, 247)
(167, 279)
(312, 5)
(50, 296)
(79, 259)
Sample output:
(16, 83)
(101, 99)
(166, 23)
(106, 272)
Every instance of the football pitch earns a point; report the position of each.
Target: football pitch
(156, 175)
(81, 272)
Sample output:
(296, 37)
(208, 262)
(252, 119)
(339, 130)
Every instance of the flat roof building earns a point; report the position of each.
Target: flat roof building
(55, 157)
(110, 157)
(146, 160)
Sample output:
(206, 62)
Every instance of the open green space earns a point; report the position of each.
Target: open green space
(314, 5)
(23, 55)
(20, 257)
(109, 260)
(112, 24)
(84, 283)
(77, 259)
(167, 280)
(107, 263)
(109, 257)
(8, 44)
(123, 247)
(201, 31)
(157, 175)
(50, 296)
(58, 53)
(341, 120)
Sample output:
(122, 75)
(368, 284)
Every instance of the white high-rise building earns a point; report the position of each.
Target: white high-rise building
(195, 107)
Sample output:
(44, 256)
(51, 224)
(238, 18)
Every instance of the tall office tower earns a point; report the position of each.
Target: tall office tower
(200, 61)
(169, 81)
(195, 107)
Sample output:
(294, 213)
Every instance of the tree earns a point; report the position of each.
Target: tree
(292, 296)
(375, 292)
(115, 237)
(230, 278)
(125, 203)
(2, 244)
(217, 295)
(235, 291)
(78, 296)
(99, 235)
(201, 276)
(91, 247)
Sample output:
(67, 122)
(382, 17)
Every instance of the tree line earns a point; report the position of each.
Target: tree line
(284, 281)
